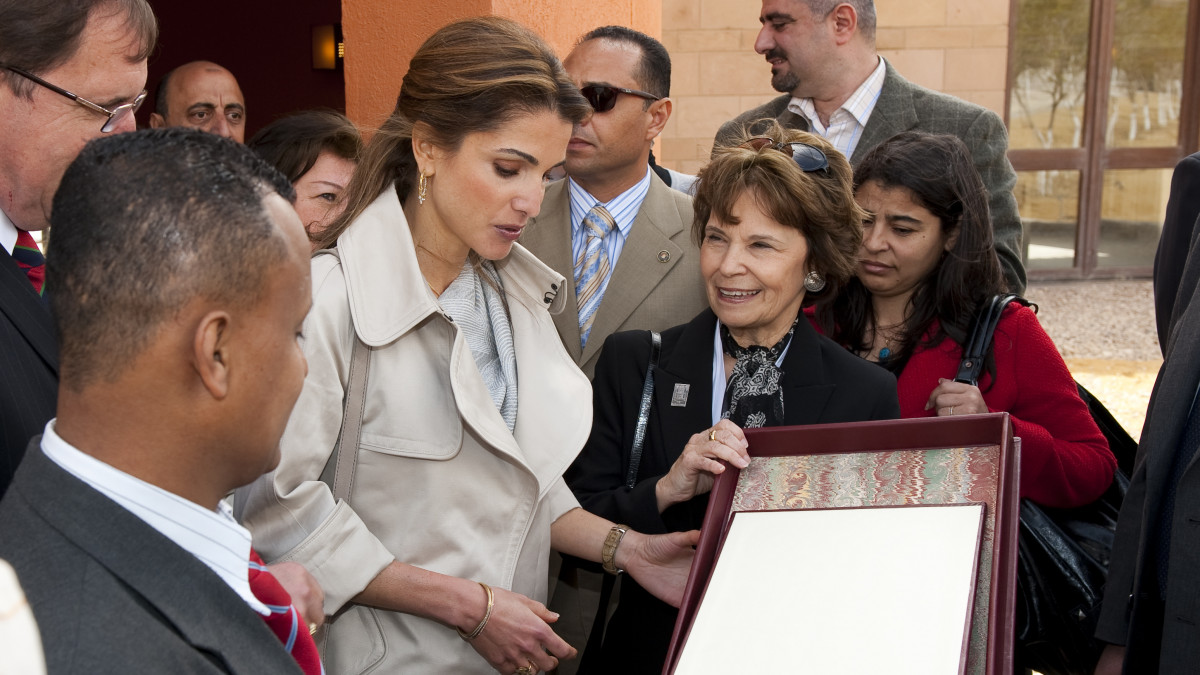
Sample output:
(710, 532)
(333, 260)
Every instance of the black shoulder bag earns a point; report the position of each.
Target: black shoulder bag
(1063, 554)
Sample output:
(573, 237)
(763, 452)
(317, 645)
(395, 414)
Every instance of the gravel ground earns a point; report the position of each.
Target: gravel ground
(1105, 332)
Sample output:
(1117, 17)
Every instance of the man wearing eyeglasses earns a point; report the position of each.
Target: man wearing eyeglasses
(201, 95)
(69, 72)
(612, 227)
(822, 57)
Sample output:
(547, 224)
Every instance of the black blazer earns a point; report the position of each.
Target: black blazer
(1161, 639)
(112, 595)
(1183, 212)
(28, 366)
(822, 383)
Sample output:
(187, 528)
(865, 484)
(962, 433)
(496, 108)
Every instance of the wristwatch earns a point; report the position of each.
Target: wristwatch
(608, 552)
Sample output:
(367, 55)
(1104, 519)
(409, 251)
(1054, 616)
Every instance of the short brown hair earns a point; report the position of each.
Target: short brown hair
(819, 204)
(40, 35)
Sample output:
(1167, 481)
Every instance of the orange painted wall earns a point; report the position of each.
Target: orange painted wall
(382, 35)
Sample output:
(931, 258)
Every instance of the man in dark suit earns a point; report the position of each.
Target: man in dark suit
(1183, 211)
(822, 56)
(650, 274)
(96, 49)
(181, 281)
(1151, 612)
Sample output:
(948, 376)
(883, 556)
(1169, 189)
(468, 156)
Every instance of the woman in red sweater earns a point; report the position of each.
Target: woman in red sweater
(927, 264)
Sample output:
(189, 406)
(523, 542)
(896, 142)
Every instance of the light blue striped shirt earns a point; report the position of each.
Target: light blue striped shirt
(846, 124)
(624, 209)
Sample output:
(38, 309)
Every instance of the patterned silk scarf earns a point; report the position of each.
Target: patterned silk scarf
(481, 313)
(753, 397)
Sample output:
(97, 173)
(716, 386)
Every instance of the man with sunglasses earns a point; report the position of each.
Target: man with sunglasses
(822, 57)
(69, 72)
(644, 271)
(612, 227)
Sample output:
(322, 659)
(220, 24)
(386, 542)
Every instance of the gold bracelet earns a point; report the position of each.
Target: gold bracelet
(608, 552)
(486, 615)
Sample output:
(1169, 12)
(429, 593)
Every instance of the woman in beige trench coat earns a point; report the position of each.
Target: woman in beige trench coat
(473, 410)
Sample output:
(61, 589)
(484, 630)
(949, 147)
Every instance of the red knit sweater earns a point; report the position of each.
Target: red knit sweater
(1065, 460)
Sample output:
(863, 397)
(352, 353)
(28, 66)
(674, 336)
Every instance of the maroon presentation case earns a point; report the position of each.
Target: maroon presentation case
(971, 458)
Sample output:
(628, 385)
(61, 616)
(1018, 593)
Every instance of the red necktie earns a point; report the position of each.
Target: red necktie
(284, 620)
(30, 260)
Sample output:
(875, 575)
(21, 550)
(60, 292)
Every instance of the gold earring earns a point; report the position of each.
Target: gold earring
(422, 187)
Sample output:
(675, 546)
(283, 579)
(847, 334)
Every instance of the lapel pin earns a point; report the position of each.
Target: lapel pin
(680, 395)
(664, 256)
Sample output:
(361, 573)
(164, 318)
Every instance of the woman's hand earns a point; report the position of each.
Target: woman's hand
(518, 634)
(659, 563)
(956, 398)
(693, 473)
(306, 592)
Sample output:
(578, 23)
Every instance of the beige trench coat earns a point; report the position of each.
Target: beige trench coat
(441, 483)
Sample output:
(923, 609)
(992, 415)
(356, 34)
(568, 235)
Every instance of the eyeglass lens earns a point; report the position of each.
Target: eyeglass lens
(601, 98)
(122, 113)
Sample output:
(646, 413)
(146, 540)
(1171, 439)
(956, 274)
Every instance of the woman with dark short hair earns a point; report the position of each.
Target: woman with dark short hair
(317, 150)
(926, 267)
(777, 225)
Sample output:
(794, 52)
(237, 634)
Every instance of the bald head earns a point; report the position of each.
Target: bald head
(201, 95)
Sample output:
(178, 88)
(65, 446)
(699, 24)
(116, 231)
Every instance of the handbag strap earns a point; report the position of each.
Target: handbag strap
(346, 450)
(983, 333)
(639, 434)
(353, 406)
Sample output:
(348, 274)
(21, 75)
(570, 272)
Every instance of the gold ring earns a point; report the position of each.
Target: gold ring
(951, 410)
(712, 434)
(312, 628)
(525, 670)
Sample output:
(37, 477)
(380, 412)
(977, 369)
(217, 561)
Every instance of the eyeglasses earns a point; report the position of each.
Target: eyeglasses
(809, 158)
(603, 97)
(115, 116)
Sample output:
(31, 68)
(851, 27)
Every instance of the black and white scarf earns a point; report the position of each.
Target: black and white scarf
(753, 397)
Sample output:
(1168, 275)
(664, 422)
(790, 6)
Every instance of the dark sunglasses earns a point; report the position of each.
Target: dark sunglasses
(603, 97)
(115, 116)
(809, 158)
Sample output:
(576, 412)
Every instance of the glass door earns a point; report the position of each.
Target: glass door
(1102, 102)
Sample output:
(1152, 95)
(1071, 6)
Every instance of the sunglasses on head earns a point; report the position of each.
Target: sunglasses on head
(603, 97)
(809, 158)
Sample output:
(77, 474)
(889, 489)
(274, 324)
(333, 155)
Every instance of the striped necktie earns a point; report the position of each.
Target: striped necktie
(592, 268)
(284, 620)
(30, 260)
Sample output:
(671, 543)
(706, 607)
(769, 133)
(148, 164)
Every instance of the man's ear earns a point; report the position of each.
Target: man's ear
(157, 121)
(845, 22)
(660, 112)
(210, 353)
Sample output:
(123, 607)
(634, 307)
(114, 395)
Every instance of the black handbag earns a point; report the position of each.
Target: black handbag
(1062, 554)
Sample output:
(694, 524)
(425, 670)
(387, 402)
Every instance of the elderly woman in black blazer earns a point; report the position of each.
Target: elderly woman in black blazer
(777, 224)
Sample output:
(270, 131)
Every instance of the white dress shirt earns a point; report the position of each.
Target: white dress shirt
(214, 537)
(8, 234)
(846, 124)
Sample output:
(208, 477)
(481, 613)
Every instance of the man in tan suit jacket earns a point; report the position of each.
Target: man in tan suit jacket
(654, 280)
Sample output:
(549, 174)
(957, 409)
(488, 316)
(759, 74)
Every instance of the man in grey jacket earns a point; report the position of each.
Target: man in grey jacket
(823, 59)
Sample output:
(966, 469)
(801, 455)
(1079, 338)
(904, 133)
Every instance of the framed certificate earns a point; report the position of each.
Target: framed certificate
(821, 533)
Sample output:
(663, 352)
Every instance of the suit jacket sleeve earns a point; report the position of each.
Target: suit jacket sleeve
(1065, 460)
(1183, 210)
(987, 138)
(290, 511)
(598, 475)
